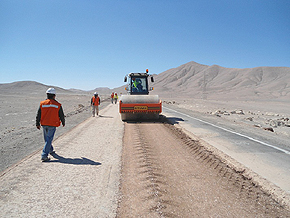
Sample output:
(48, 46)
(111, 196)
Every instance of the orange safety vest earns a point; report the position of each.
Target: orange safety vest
(49, 113)
(96, 100)
(112, 95)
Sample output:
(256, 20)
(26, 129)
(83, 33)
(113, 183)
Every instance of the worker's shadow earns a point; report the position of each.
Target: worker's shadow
(76, 161)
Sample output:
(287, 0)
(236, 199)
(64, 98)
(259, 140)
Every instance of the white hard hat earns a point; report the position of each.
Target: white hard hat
(95, 93)
(51, 91)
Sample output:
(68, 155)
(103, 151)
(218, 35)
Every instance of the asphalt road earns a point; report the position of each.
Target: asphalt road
(266, 156)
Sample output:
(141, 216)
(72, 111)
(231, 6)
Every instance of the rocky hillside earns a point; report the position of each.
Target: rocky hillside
(202, 81)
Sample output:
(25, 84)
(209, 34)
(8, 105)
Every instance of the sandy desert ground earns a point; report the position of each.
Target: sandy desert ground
(20, 138)
(271, 118)
(260, 115)
(256, 99)
(159, 173)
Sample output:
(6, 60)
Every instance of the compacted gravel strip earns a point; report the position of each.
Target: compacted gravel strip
(166, 174)
(80, 180)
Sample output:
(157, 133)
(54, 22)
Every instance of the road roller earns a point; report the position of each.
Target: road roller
(137, 104)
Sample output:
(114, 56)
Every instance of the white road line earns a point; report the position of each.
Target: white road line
(239, 134)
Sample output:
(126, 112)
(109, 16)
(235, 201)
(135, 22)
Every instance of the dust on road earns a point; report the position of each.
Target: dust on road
(167, 174)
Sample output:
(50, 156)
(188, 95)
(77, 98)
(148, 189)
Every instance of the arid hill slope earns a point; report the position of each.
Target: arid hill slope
(202, 81)
(28, 87)
(196, 81)
(32, 87)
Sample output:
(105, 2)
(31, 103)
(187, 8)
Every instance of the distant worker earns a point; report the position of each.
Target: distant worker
(95, 102)
(49, 116)
(116, 97)
(112, 97)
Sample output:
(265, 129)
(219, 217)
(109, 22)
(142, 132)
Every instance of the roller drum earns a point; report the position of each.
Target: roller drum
(139, 107)
(140, 99)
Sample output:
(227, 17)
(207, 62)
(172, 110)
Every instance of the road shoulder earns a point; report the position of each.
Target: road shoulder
(81, 180)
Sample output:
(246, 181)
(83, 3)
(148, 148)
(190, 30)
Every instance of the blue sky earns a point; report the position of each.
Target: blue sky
(87, 44)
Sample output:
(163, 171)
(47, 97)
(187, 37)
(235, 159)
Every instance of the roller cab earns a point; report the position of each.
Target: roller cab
(138, 104)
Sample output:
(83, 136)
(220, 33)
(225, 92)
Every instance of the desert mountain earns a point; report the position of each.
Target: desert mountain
(102, 91)
(28, 87)
(202, 81)
(32, 87)
(194, 80)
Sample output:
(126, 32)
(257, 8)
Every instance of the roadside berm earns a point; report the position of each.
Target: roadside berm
(107, 168)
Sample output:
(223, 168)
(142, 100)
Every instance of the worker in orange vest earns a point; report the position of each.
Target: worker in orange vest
(112, 97)
(49, 116)
(95, 102)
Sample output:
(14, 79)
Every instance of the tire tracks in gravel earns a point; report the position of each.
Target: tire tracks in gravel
(165, 173)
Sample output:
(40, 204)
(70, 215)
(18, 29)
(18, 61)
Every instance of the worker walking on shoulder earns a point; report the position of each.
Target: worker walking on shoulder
(112, 97)
(115, 97)
(95, 102)
(49, 116)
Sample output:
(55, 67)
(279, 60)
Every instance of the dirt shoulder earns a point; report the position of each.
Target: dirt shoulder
(167, 174)
(81, 180)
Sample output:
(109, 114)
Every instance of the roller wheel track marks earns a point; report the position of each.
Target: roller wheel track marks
(167, 174)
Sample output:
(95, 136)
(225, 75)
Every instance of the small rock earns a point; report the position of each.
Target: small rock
(269, 129)
(250, 118)
(273, 123)
(217, 112)
(241, 112)
(81, 106)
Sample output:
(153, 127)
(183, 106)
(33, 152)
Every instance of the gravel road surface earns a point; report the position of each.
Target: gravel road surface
(266, 154)
(106, 168)
(167, 174)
